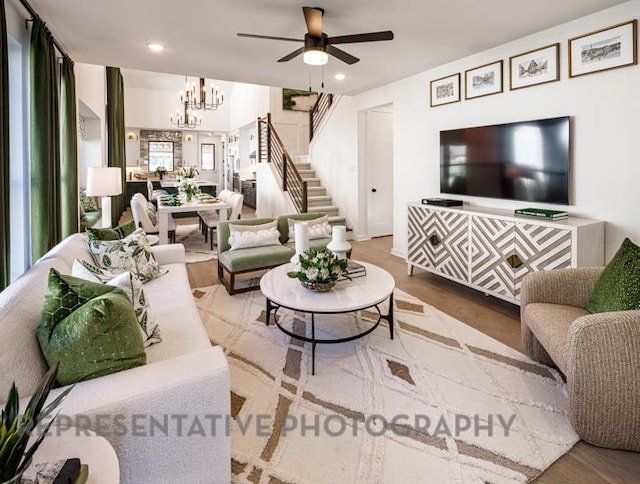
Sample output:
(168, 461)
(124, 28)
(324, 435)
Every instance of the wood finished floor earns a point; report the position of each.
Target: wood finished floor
(584, 464)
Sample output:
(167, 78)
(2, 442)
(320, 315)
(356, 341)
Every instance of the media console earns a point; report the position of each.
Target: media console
(491, 250)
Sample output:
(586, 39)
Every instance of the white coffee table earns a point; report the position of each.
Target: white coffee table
(346, 296)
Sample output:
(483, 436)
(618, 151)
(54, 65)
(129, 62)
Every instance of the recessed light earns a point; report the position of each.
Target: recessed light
(155, 47)
(339, 77)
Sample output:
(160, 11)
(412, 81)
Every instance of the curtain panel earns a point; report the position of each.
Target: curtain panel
(68, 150)
(45, 142)
(5, 179)
(116, 155)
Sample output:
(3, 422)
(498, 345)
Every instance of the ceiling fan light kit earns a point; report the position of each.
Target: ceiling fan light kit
(318, 46)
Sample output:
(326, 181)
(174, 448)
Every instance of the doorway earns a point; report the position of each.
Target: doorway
(378, 162)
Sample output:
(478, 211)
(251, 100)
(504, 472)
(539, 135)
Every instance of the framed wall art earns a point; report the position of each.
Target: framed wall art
(603, 49)
(445, 90)
(537, 66)
(483, 80)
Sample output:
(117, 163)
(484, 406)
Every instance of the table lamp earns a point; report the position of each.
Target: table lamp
(339, 245)
(104, 182)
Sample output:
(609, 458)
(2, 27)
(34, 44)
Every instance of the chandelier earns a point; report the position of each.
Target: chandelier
(196, 98)
(187, 119)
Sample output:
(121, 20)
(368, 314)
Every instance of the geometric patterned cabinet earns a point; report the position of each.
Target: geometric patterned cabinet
(491, 250)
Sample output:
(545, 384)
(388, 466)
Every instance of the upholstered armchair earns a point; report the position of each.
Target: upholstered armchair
(599, 354)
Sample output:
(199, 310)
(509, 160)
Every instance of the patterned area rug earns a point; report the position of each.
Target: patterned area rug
(196, 249)
(441, 402)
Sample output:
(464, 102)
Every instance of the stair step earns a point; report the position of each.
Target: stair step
(307, 173)
(318, 201)
(326, 209)
(306, 165)
(337, 220)
(301, 158)
(316, 191)
(312, 182)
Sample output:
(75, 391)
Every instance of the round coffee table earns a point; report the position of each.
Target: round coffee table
(346, 296)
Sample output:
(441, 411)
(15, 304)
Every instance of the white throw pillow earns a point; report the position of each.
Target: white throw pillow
(133, 253)
(319, 228)
(132, 287)
(246, 236)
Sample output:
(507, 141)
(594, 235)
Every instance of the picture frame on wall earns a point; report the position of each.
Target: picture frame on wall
(445, 90)
(483, 80)
(604, 49)
(534, 67)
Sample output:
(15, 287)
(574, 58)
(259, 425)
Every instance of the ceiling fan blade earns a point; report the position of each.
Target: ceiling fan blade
(293, 54)
(369, 37)
(313, 18)
(342, 55)
(255, 36)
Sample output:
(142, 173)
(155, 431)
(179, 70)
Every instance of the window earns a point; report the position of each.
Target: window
(18, 139)
(208, 156)
(160, 155)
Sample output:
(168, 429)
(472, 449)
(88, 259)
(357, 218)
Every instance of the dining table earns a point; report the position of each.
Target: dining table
(195, 205)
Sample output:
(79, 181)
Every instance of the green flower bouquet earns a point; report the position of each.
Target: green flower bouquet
(189, 171)
(319, 270)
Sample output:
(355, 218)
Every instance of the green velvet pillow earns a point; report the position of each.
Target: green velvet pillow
(89, 328)
(117, 233)
(618, 288)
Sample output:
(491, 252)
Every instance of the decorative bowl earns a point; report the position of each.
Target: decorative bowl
(318, 286)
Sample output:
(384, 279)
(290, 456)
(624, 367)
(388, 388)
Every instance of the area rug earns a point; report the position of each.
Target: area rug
(189, 234)
(441, 402)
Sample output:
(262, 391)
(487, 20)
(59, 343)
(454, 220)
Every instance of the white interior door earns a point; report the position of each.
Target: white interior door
(379, 163)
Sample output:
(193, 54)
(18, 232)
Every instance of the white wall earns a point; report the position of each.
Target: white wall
(248, 103)
(604, 108)
(292, 126)
(271, 201)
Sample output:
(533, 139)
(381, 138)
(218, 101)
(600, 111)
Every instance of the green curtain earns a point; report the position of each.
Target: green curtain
(5, 180)
(68, 150)
(115, 136)
(45, 143)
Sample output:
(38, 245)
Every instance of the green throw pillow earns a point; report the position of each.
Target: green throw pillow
(117, 233)
(618, 288)
(89, 328)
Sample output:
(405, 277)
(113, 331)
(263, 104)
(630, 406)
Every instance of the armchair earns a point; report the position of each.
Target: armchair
(139, 210)
(599, 354)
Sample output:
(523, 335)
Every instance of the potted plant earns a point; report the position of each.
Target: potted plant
(16, 429)
(189, 171)
(160, 172)
(319, 270)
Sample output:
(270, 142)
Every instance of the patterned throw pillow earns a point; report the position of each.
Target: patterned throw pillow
(153, 217)
(89, 328)
(151, 207)
(319, 228)
(246, 236)
(132, 287)
(87, 203)
(119, 232)
(132, 253)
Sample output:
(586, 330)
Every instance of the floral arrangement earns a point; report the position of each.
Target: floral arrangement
(188, 187)
(189, 171)
(161, 171)
(317, 267)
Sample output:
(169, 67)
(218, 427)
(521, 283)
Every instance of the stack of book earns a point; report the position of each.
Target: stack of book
(356, 270)
(65, 471)
(542, 213)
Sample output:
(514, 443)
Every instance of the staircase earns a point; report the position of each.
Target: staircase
(317, 199)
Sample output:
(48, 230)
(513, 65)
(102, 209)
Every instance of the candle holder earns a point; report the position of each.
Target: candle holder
(301, 237)
(339, 245)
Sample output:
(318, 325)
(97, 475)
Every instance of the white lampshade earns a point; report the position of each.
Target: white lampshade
(315, 57)
(104, 181)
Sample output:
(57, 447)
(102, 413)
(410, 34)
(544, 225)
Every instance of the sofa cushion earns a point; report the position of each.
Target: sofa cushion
(132, 287)
(319, 228)
(89, 327)
(550, 324)
(618, 288)
(133, 253)
(119, 232)
(248, 236)
(283, 222)
(255, 258)
(317, 244)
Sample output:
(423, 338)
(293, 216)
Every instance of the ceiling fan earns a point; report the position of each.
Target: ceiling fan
(318, 46)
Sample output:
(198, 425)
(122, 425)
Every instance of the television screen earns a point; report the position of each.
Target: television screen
(527, 160)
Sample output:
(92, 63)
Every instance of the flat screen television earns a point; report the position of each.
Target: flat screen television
(527, 160)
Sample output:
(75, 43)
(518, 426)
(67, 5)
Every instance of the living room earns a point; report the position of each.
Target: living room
(602, 110)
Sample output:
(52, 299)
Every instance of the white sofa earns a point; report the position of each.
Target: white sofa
(185, 378)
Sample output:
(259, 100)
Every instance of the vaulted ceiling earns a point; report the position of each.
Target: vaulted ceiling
(200, 35)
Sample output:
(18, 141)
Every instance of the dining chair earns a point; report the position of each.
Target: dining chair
(143, 218)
